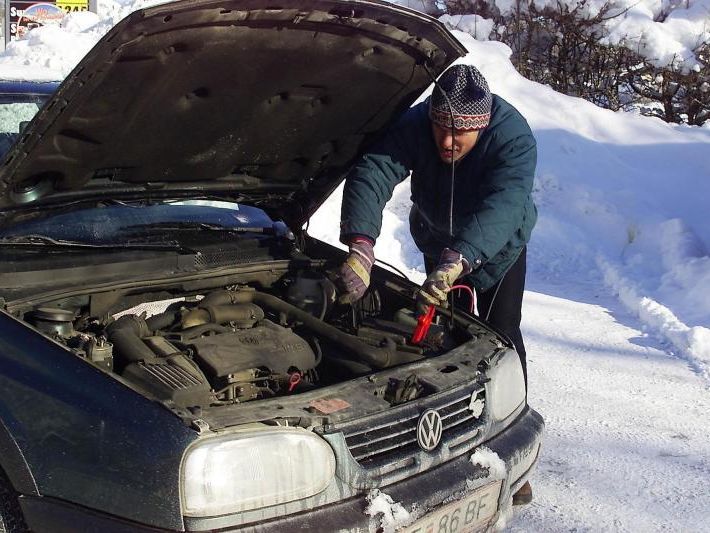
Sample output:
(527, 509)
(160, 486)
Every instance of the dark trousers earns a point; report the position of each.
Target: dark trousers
(501, 305)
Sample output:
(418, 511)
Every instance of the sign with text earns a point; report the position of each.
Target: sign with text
(23, 16)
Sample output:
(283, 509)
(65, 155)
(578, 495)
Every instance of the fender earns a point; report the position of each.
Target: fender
(13, 463)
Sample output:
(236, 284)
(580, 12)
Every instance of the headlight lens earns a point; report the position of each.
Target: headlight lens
(507, 386)
(239, 472)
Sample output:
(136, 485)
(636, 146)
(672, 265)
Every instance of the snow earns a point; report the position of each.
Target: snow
(626, 446)
(636, 24)
(474, 25)
(387, 515)
(617, 309)
(476, 406)
(662, 42)
(491, 461)
(488, 459)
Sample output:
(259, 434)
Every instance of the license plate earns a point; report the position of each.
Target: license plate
(471, 513)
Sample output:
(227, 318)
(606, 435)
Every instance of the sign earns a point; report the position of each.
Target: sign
(21, 16)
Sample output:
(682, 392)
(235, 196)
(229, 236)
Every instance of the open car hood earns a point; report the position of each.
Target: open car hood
(240, 99)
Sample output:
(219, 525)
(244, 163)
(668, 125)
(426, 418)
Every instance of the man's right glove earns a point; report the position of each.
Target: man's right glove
(436, 287)
(354, 274)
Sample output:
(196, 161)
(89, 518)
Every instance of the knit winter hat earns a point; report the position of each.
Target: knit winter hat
(469, 96)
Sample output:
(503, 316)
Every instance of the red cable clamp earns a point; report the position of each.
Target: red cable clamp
(423, 323)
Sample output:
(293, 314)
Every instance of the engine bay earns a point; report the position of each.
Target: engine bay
(248, 341)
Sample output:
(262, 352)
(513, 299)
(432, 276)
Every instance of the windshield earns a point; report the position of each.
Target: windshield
(122, 221)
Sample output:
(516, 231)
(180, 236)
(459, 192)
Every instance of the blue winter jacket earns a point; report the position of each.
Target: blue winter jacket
(493, 211)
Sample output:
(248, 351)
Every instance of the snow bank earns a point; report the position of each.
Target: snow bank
(49, 53)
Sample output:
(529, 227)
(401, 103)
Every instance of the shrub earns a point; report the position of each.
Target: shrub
(567, 48)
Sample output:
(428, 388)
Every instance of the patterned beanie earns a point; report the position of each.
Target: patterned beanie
(469, 96)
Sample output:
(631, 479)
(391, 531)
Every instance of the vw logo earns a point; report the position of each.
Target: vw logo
(429, 430)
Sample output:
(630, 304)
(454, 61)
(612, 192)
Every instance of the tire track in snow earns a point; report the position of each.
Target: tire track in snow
(689, 343)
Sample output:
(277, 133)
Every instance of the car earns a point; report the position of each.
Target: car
(174, 354)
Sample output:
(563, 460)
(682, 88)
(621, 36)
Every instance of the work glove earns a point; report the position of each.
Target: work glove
(435, 289)
(354, 274)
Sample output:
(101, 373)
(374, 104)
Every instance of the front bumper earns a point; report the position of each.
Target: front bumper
(518, 446)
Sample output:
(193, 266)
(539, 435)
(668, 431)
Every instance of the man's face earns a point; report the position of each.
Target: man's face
(452, 148)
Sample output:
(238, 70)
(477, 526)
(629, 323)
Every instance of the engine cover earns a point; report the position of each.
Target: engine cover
(265, 345)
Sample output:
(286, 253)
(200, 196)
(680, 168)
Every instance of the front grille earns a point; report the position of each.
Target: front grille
(380, 439)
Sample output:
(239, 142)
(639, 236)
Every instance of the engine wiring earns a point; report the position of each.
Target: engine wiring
(469, 290)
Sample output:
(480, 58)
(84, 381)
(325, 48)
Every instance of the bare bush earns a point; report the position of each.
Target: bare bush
(562, 47)
(483, 8)
(684, 96)
(566, 48)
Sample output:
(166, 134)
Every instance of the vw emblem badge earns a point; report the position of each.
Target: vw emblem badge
(429, 430)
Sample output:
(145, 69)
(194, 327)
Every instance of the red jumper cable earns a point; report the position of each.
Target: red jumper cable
(424, 321)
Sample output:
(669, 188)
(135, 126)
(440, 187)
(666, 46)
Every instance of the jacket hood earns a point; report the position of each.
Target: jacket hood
(238, 99)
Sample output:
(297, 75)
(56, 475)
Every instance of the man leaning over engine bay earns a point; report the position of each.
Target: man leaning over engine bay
(472, 160)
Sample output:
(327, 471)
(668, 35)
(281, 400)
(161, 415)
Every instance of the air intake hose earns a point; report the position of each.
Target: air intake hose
(126, 334)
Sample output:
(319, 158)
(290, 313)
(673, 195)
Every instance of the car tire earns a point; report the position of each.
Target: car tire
(11, 520)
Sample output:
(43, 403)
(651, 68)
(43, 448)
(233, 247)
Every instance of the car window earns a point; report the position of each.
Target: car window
(14, 115)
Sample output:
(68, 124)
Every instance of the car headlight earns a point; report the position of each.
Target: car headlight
(506, 390)
(243, 471)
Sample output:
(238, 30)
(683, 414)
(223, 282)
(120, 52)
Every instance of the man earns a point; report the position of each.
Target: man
(472, 159)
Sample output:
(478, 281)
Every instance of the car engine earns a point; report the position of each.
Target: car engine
(241, 343)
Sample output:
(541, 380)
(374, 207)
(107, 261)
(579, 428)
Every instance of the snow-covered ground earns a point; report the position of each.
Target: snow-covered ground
(626, 445)
(617, 311)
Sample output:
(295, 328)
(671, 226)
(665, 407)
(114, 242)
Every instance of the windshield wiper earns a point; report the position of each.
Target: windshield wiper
(279, 229)
(44, 240)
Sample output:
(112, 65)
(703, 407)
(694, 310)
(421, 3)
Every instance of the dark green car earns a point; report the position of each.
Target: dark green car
(173, 355)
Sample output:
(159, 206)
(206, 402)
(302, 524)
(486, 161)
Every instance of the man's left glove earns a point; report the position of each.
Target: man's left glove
(435, 289)
(354, 273)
